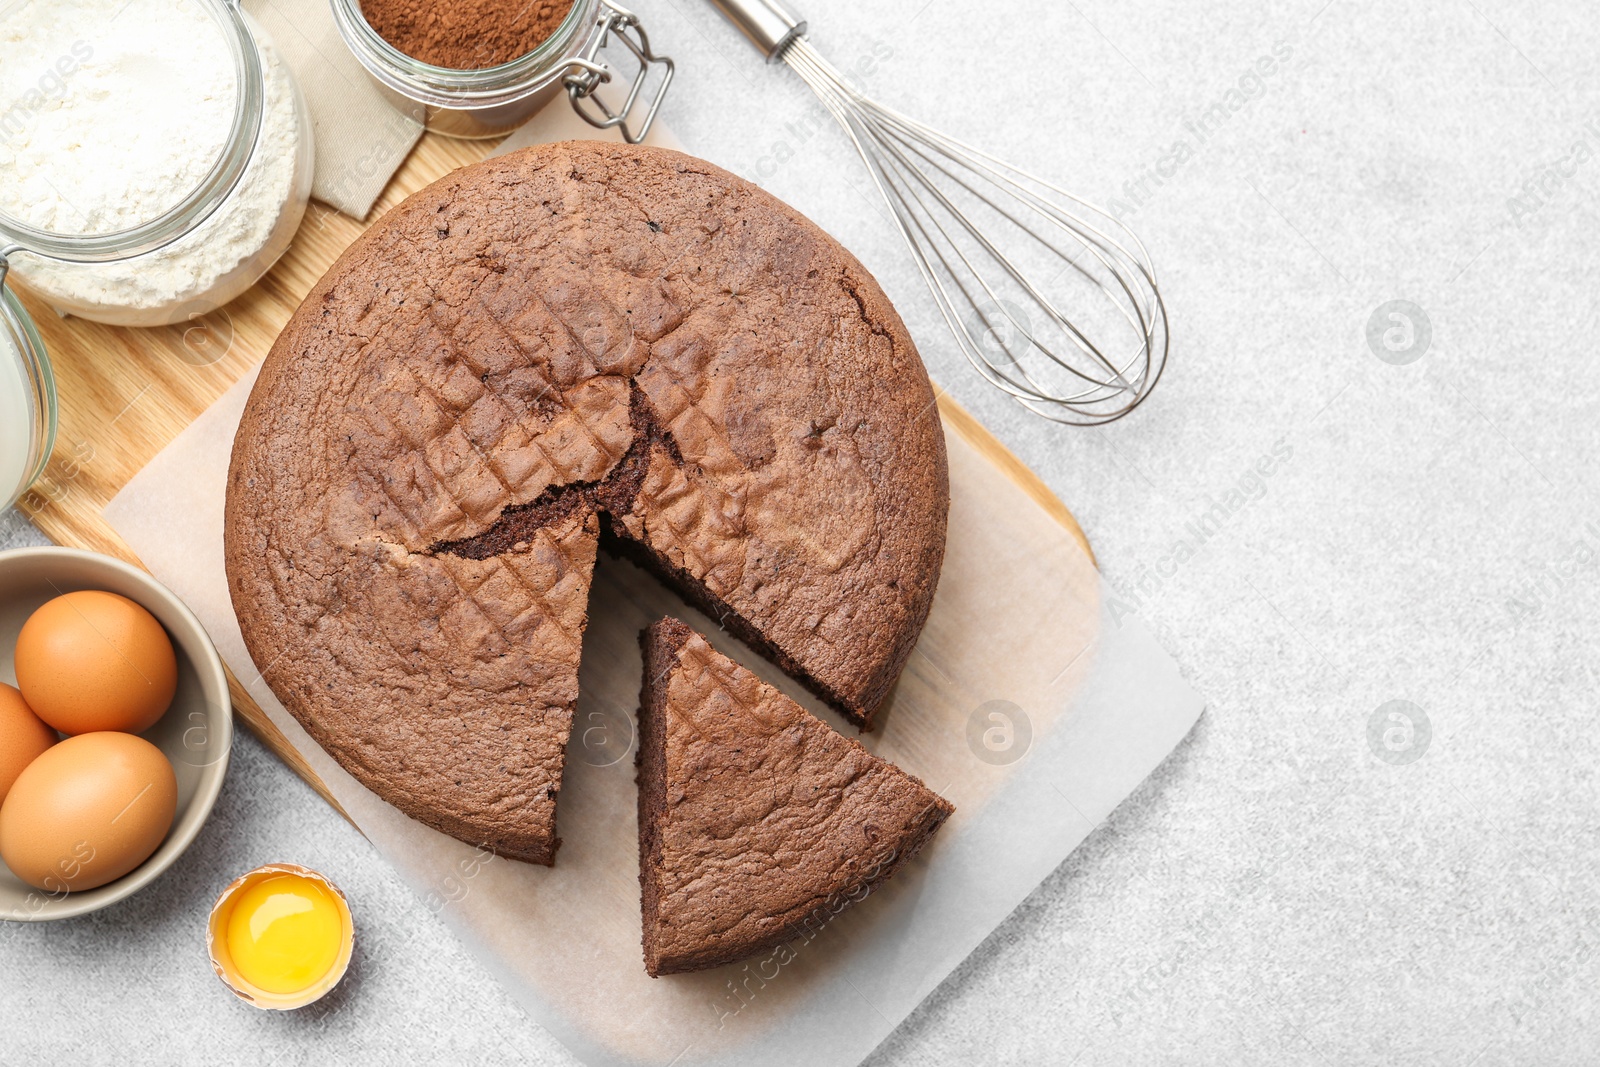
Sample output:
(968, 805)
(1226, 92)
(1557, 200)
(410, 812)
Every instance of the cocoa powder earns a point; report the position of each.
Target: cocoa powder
(465, 34)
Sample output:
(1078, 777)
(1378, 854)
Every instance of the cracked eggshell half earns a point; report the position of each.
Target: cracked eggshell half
(230, 971)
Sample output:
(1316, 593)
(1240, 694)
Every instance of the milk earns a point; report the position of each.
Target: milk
(16, 420)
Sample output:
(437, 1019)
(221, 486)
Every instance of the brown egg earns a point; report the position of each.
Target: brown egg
(22, 736)
(90, 661)
(87, 811)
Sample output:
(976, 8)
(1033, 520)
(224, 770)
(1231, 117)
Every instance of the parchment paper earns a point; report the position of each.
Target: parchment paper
(1024, 703)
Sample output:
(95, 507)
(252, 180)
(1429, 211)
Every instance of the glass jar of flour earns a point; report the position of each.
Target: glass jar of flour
(157, 153)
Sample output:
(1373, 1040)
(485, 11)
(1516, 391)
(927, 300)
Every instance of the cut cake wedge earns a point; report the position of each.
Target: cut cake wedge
(757, 821)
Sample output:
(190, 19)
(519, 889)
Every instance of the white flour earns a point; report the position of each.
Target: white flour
(131, 106)
(111, 111)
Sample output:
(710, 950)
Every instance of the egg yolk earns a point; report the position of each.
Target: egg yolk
(285, 933)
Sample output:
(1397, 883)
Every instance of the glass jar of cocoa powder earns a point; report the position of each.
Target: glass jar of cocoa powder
(493, 100)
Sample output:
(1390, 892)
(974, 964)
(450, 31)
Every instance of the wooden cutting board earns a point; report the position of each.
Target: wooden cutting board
(125, 394)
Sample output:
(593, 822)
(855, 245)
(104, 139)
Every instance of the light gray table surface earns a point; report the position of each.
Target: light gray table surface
(1289, 887)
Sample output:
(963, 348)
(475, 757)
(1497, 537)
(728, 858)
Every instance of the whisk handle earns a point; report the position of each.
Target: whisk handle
(769, 25)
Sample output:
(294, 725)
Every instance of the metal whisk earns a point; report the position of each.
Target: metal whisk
(1051, 299)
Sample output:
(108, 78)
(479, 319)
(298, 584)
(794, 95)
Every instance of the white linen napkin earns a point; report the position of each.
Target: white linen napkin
(361, 140)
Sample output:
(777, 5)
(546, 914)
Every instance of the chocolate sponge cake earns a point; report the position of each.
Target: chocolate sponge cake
(757, 822)
(567, 344)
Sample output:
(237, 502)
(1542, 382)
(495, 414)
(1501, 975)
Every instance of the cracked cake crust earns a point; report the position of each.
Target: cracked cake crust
(757, 822)
(570, 341)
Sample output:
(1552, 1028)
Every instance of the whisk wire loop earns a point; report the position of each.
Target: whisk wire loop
(994, 299)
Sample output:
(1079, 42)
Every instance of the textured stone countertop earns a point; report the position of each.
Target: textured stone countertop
(1288, 887)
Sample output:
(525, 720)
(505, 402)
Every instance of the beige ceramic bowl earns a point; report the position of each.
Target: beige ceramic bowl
(196, 733)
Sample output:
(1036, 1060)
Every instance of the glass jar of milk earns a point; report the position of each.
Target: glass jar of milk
(27, 401)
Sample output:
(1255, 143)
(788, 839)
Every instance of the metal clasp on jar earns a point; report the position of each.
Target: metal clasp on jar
(588, 74)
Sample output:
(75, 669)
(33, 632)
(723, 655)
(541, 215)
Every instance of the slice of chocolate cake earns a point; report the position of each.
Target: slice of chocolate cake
(757, 820)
